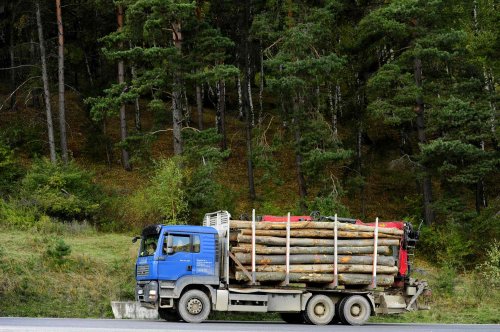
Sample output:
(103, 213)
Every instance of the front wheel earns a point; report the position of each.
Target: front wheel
(194, 306)
(354, 310)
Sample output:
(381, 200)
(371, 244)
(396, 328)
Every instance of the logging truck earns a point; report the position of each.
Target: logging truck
(309, 269)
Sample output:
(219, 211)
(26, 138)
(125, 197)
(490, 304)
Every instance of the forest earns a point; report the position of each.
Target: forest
(119, 114)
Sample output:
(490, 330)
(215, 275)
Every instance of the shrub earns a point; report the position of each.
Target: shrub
(490, 268)
(10, 171)
(14, 214)
(163, 199)
(62, 191)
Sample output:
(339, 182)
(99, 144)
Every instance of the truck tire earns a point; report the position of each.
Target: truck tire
(354, 310)
(320, 310)
(194, 306)
(170, 315)
(292, 317)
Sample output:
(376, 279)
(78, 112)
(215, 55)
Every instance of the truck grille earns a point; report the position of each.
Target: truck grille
(142, 270)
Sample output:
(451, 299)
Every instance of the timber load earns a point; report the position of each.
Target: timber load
(314, 252)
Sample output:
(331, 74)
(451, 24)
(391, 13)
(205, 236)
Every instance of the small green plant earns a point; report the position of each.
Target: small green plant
(58, 251)
(446, 280)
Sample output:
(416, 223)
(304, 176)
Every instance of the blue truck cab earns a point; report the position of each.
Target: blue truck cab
(173, 260)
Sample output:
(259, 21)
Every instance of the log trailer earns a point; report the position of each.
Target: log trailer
(186, 272)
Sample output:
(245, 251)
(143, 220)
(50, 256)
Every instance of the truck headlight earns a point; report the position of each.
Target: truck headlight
(140, 292)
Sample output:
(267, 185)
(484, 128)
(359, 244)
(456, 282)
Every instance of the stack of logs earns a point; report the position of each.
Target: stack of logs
(311, 252)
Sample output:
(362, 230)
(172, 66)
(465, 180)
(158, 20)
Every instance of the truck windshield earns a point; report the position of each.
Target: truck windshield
(148, 245)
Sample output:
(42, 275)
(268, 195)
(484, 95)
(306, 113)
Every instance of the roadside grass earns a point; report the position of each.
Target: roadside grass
(463, 298)
(99, 269)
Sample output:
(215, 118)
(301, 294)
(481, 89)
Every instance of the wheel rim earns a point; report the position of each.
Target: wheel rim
(356, 310)
(320, 309)
(194, 306)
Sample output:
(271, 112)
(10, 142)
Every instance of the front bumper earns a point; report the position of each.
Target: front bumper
(146, 292)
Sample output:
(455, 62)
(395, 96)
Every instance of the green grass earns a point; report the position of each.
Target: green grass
(99, 269)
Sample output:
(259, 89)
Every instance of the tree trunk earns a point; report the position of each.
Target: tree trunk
(176, 95)
(314, 259)
(46, 91)
(343, 278)
(123, 118)
(264, 250)
(13, 82)
(221, 113)
(240, 224)
(420, 110)
(199, 106)
(247, 98)
(261, 85)
(249, 87)
(325, 268)
(240, 101)
(138, 125)
(316, 233)
(60, 73)
(308, 242)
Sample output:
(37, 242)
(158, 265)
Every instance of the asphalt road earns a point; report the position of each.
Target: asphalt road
(108, 325)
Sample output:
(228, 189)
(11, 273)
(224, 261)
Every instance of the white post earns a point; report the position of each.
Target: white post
(335, 251)
(287, 280)
(227, 253)
(375, 255)
(253, 246)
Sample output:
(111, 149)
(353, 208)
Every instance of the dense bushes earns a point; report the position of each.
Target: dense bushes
(163, 199)
(62, 191)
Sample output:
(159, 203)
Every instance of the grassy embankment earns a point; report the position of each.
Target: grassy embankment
(100, 269)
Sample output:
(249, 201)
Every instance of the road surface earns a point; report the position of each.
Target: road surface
(108, 325)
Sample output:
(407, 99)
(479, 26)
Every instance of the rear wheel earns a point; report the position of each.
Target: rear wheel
(170, 315)
(354, 310)
(320, 310)
(292, 317)
(194, 306)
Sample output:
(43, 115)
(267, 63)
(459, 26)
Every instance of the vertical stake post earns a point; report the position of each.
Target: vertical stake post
(287, 279)
(335, 252)
(375, 255)
(227, 253)
(253, 246)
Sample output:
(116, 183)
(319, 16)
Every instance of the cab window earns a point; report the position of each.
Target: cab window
(182, 243)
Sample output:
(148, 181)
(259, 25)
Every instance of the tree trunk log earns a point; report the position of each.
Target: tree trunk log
(308, 242)
(314, 259)
(240, 224)
(315, 233)
(343, 278)
(325, 268)
(260, 249)
(45, 79)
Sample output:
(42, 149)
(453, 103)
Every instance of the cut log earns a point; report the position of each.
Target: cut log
(240, 224)
(317, 233)
(261, 249)
(313, 259)
(343, 278)
(309, 242)
(325, 268)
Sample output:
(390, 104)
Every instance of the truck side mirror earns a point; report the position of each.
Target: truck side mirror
(134, 240)
(170, 248)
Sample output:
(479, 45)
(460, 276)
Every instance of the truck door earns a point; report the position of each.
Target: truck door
(179, 261)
